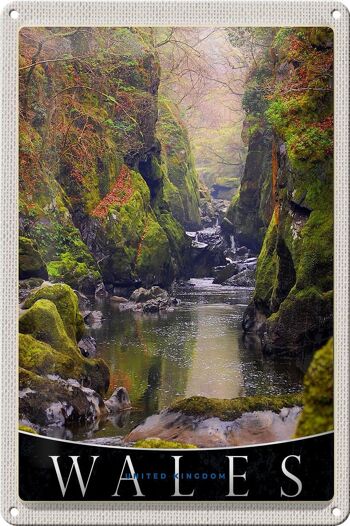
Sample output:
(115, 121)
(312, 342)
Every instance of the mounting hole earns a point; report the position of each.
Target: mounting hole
(14, 14)
(336, 14)
(336, 512)
(14, 512)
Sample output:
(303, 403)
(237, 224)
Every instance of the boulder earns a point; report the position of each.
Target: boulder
(43, 321)
(31, 264)
(119, 401)
(242, 251)
(246, 278)
(142, 295)
(27, 286)
(54, 402)
(207, 252)
(100, 291)
(49, 329)
(118, 299)
(156, 305)
(224, 273)
(66, 302)
(94, 318)
(87, 346)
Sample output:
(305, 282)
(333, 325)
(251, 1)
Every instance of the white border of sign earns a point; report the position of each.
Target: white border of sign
(163, 13)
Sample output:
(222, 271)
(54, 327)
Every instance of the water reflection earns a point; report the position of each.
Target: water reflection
(197, 349)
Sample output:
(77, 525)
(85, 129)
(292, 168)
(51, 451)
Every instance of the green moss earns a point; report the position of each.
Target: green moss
(172, 198)
(317, 415)
(27, 429)
(31, 264)
(43, 359)
(315, 263)
(306, 319)
(42, 320)
(181, 178)
(250, 209)
(31, 380)
(157, 443)
(74, 273)
(267, 266)
(45, 348)
(178, 241)
(234, 408)
(66, 302)
(154, 251)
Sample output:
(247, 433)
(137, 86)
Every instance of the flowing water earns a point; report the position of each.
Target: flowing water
(197, 349)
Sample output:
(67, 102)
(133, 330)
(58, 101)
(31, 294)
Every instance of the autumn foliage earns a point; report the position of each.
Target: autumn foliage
(119, 195)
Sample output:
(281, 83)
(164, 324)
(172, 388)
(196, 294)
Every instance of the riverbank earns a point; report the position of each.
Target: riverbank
(168, 356)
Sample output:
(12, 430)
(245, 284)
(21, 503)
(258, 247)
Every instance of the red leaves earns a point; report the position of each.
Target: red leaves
(119, 195)
(326, 124)
(77, 176)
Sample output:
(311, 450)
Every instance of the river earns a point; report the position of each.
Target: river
(197, 349)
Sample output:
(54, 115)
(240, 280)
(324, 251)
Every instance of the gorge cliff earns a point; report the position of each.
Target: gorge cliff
(107, 180)
(285, 205)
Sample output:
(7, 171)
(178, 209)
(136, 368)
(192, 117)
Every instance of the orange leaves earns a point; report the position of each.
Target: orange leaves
(326, 124)
(119, 195)
(77, 176)
(274, 181)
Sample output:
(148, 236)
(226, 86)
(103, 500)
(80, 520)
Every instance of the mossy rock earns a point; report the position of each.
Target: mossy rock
(181, 186)
(43, 321)
(317, 415)
(267, 266)
(49, 402)
(231, 409)
(31, 264)
(66, 302)
(43, 360)
(227, 272)
(47, 348)
(250, 209)
(303, 320)
(153, 260)
(76, 274)
(158, 443)
(26, 287)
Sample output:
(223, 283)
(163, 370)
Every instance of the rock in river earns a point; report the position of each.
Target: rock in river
(220, 423)
(118, 299)
(87, 346)
(142, 295)
(246, 278)
(119, 401)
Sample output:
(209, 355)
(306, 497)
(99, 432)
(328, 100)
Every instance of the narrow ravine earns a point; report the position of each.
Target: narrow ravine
(175, 249)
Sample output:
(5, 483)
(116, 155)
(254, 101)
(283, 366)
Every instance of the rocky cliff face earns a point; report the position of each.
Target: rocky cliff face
(289, 176)
(180, 190)
(99, 191)
(251, 209)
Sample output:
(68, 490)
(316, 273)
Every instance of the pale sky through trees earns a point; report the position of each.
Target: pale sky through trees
(204, 74)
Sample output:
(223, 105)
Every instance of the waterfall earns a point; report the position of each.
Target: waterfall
(233, 243)
(217, 222)
(196, 238)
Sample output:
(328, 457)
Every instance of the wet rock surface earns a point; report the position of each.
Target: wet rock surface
(31, 264)
(26, 286)
(87, 346)
(119, 401)
(245, 278)
(251, 428)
